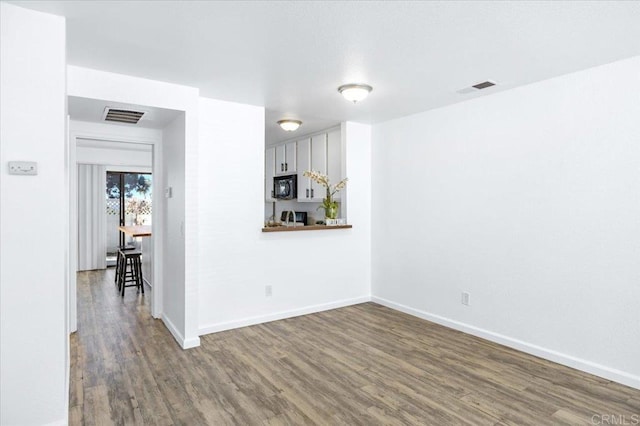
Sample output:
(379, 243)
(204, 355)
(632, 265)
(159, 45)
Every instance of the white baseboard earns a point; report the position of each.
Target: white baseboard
(548, 354)
(229, 325)
(67, 382)
(62, 422)
(192, 342)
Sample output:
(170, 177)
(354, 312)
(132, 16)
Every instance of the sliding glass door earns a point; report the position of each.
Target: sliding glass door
(128, 203)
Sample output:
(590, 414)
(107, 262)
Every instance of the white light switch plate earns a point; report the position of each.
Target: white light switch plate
(23, 168)
(168, 192)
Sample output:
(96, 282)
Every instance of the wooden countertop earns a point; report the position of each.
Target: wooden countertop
(304, 228)
(136, 231)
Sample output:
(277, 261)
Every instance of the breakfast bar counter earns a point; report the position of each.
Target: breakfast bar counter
(304, 228)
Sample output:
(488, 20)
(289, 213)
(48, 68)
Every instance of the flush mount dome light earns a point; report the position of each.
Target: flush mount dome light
(289, 125)
(355, 92)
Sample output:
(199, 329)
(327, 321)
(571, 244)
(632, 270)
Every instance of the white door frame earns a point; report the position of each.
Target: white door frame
(87, 132)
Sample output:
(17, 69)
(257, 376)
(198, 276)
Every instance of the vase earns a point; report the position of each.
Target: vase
(331, 210)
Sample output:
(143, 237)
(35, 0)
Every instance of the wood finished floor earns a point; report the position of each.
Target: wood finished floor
(360, 365)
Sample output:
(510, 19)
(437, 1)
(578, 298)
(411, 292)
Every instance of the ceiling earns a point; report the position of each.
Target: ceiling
(84, 109)
(291, 56)
(274, 134)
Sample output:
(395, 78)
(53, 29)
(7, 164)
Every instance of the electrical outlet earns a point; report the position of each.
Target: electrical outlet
(268, 291)
(466, 298)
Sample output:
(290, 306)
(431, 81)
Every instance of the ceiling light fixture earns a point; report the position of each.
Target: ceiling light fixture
(355, 92)
(289, 125)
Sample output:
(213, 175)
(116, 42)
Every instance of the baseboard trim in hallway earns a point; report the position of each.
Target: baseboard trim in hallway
(548, 354)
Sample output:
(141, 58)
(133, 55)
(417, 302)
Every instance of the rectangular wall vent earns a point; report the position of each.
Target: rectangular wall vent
(122, 115)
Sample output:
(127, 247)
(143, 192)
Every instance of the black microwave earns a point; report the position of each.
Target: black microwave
(285, 187)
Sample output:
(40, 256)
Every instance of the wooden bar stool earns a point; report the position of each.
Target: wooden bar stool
(130, 271)
(118, 259)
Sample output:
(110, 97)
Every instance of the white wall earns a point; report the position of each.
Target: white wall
(131, 160)
(527, 199)
(308, 270)
(313, 212)
(93, 84)
(173, 230)
(108, 133)
(34, 343)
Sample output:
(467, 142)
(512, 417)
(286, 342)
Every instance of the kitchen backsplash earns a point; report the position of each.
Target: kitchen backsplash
(313, 215)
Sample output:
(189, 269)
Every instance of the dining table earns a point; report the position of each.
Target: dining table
(136, 230)
(143, 242)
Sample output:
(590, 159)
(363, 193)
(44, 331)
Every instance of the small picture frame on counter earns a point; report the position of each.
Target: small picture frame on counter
(336, 222)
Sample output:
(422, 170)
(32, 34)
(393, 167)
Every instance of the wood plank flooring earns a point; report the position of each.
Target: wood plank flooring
(360, 365)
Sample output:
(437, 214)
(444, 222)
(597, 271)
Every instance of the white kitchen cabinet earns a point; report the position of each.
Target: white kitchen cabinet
(291, 157)
(269, 173)
(286, 159)
(312, 155)
(334, 159)
(318, 164)
(321, 153)
(304, 164)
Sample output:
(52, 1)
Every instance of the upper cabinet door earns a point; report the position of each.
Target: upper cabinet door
(318, 164)
(334, 159)
(281, 159)
(304, 164)
(286, 159)
(290, 158)
(269, 173)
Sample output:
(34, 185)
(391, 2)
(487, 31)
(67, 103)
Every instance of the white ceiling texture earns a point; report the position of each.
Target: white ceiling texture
(290, 56)
(83, 109)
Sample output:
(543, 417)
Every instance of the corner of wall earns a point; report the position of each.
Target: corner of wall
(34, 385)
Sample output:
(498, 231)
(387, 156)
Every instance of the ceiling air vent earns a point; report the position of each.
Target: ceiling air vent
(476, 87)
(484, 85)
(122, 115)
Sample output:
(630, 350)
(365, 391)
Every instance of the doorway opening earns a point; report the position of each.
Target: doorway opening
(129, 202)
(130, 159)
(165, 134)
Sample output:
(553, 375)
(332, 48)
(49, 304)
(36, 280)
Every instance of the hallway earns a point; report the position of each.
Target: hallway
(110, 351)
